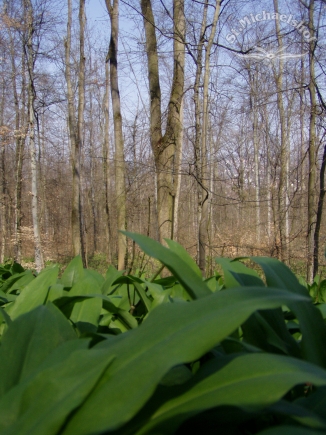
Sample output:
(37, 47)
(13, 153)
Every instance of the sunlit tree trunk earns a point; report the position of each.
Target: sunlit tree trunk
(203, 225)
(311, 149)
(165, 148)
(282, 198)
(113, 10)
(39, 263)
(198, 121)
(76, 127)
(106, 163)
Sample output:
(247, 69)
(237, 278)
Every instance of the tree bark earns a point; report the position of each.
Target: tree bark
(203, 224)
(282, 197)
(165, 148)
(75, 127)
(106, 164)
(113, 11)
(39, 263)
(311, 149)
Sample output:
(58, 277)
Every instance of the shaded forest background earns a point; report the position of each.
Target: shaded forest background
(246, 126)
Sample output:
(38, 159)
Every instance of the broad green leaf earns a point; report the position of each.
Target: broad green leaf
(299, 413)
(67, 303)
(42, 404)
(17, 281)
(125, 288)
(172, 334)
(55, 292)
(6, 297)
(312, 324)
(267, 329)
(322, 309)
(4, 318)
(143, 296)
(34, 294)
(73, 272)
(86, 314)
(158, 293)
(185, 274)
(111, 275)
(315, 401)
(236, 273)
(28, 341)
(251, 382)
(182, 253)
(16, 268)
(95, 275)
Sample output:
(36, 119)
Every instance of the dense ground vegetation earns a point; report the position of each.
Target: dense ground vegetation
(241, 352)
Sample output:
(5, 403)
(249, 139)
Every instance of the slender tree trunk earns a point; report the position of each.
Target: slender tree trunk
(282, 203)
(311, 150)
(20, 130)
(320, 206)
(106, 164)
(203, 225)
(76, 128)
(178, 175)
(198, 123)
(80, 125)
(113, 11)
(39, 263)
(3, 193)
(253, 78)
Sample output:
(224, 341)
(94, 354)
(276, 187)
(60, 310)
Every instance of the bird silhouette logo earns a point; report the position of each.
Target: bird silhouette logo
(260, 53)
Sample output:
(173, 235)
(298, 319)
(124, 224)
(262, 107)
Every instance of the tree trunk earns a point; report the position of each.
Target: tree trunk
(322, 192)
(106, 164)
(203, 224)
(311, 150)
(165, 148)
(113, 11)
(282, 202)
(39, 263)
(76, 128)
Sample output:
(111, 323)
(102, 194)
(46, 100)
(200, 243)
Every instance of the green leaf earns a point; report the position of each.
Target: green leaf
(28, 341)
(158, 293)
(312, 325)
(86, 314)
(182, 253)
(185, 274)
(95, 275)
(34, 294)
(17, 268)
(172, 334)
(266, 329)
(18, 281)
(299, 413)
(111, 275)
(5, 317)
(236, 273)
(73, 272)
(42, 404)
(66, 305)
(250, 382)
(55, 292)
(315, 401)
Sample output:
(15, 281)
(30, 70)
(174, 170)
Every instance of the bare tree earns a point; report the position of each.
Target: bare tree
(76, 126)
(165, 147)
(112, 57)
(30, 52)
